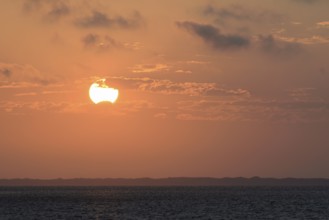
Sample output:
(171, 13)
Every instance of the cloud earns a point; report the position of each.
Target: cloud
(32, 5)
(18, 75)
(198, 62)
(306, 1)
(48, 92)
(191, 117)
(274, 46)
(105, 43)
(100, 42)
(82, 14)
(288, 111)
(241, 14)
(16, 85)
(208, 110)
(19, 107)
(183, 71)
(323, 24)
(136, 105)
(237, 13)
(119, 109)
(5, 72)
(90, 40)
(286, 104)
(50, 10)
(99, 19)
(302, 94)
(57, 11)
(161, 115)
(26, 94)
(305, 40)
(213, 37)
(169, 87)
(150, 68)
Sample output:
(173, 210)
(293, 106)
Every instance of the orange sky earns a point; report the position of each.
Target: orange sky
(207, 88)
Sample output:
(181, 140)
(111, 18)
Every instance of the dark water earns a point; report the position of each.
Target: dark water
(164, 203)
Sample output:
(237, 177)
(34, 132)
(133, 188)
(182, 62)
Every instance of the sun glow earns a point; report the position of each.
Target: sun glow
(101, 92)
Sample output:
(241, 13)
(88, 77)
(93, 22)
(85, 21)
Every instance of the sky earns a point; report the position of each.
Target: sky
(218, 88)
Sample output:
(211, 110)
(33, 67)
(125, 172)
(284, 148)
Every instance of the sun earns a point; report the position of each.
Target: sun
(101, 92)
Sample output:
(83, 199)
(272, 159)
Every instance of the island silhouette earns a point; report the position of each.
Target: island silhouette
(171, 181)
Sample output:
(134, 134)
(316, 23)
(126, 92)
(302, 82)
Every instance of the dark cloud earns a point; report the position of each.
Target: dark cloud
(6, 72)
(50, 10)
(90, 39)
(83, 14)
(57, 11)
(213, 37)
(272, 45)
(267, 43)
(101, 20)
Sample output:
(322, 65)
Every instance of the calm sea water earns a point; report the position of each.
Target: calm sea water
(164, 203)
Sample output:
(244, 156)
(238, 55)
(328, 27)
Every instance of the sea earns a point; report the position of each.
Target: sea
(215, 202)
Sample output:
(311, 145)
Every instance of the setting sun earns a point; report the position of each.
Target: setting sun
(101, 92)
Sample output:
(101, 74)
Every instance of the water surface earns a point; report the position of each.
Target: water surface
(164, 203)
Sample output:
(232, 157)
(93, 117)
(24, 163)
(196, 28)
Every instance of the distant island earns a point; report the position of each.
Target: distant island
(174, 181)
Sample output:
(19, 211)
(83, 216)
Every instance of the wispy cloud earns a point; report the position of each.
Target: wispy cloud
(161, 115)
(122, 108)
(305, 40)
(221, 15)
(26, 94)
(101, 43)
(27, 107)
(183, 71)
(323, 24)
(290, 111)
(306, 1)
(198, 62)
(150, 68)
(50, 92)
(302, 94)
(209, 110)
(18, 75)
(279, 47)
(169, 87)
(16, 85)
